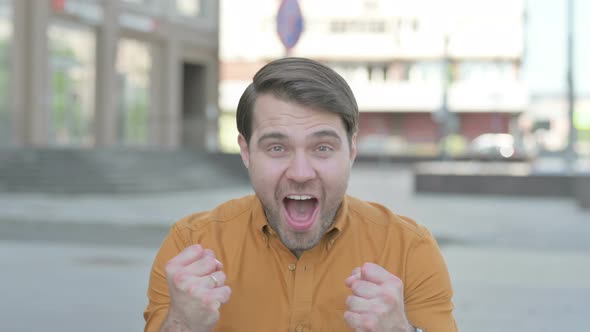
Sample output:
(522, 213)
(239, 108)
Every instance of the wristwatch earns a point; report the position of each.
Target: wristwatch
(418, 329)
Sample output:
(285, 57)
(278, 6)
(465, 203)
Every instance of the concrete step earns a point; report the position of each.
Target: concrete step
(115, 170)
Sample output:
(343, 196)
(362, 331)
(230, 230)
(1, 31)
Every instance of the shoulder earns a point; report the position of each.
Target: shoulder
(227, 212)
(376, 216)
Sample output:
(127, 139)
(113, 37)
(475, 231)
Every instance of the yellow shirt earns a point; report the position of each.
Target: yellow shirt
(272, 290)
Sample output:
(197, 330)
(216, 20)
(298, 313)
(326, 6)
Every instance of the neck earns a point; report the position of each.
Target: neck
(297, 253)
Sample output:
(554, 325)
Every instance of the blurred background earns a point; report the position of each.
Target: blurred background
(117, 117)
(431, 77)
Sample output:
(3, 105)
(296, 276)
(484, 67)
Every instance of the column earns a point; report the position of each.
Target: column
(212, 106)
(105, 124)
(157, 108)
(29, 73)
(171, 96)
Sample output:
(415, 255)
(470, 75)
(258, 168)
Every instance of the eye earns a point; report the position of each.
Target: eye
(324, 148)
(276, 148)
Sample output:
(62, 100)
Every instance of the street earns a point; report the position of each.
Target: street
(517, 264)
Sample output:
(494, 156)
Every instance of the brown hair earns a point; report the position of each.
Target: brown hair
(305, 82)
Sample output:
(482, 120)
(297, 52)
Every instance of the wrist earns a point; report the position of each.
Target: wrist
(411, 328)
(175, 322)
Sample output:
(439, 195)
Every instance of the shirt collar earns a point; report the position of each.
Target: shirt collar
(341, 221)
(258, 215)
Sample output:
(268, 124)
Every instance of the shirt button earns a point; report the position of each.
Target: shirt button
(299, 328)
(292, 268)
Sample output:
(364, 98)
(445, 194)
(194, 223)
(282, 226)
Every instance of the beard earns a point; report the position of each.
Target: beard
(300, 241)
(297, 242)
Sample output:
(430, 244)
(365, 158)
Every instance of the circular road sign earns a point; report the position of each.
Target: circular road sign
(289, 23)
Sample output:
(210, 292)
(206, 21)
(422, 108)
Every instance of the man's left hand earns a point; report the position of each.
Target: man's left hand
(377, 301)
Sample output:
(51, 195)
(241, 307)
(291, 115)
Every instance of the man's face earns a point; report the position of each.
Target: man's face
(299, 161)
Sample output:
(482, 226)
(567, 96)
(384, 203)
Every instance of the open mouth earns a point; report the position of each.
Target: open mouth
(301, 211)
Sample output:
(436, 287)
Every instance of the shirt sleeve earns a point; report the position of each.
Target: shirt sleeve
(428, 292)
(158, 296)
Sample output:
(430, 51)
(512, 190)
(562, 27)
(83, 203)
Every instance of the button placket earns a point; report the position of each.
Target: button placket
(302, 295)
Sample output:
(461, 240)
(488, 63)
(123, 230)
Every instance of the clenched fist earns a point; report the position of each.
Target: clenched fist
(197, 289)
(377, 301)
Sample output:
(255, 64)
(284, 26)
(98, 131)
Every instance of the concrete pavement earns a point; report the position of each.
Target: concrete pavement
(517, 264)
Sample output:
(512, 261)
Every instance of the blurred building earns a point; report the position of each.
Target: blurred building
(545, 71)
(104, 73)
(401, 59)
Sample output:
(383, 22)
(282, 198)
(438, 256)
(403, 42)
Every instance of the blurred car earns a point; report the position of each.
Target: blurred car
(498, 146)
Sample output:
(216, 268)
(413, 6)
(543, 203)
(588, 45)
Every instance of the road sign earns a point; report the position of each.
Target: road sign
(289, 23)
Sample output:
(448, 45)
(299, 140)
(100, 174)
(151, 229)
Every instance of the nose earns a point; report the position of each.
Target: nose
(300, 169)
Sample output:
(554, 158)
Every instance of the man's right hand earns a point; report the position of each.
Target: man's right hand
(197, 289)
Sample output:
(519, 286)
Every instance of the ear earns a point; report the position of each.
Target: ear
(353, 150)
(244, 152)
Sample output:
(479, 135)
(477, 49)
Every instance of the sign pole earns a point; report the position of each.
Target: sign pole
(571, 98)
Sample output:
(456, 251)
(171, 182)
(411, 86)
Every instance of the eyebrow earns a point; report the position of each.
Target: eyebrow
(271, 135)
(327, 133)
(317, 134)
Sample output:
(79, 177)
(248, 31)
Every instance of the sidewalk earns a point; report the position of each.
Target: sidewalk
(460, 218)
(517, 264)
(161, 209)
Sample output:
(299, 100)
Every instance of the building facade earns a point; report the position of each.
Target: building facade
(546, 72)
(108, 73)
(420, 70)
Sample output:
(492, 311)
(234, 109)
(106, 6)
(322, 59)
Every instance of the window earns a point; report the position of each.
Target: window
(486, 70)
(426, 72)
(134, 65)
(399, 71)
(6, 123)
(377, 72)
(188, 8)
(72, 79)
(351, 71)
(357, 26)
(139, 2)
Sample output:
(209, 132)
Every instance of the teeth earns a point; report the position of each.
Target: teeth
(299, 197)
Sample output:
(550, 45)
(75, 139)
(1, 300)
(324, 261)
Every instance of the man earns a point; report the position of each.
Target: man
(300, 255)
